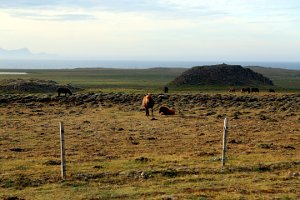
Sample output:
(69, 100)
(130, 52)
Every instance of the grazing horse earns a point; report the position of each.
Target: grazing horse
(272, 90)
(64, 90)
(166, 111)
(166, 89)
(148, 102)
(231, 90)
(254, 90)
(245, 90)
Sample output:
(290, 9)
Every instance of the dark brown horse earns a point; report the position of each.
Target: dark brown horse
(271, 90)
(245, 90)
(64, 90)
(231, 90)
(166, 111)
(254, 90)
(148, 102)
(166, 89)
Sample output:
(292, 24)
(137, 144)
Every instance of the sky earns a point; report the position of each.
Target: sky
(183, 30)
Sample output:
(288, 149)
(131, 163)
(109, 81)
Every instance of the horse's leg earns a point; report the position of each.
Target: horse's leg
(152, 111)
(147, 111)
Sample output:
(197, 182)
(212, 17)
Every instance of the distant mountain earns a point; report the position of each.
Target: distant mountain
(22, 53)
(223, 74)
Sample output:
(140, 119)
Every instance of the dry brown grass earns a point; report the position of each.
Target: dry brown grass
(118, 153)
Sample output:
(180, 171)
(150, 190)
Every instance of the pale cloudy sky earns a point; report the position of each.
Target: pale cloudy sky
(189, 30)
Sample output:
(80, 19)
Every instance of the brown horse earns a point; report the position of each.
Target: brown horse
(166, 111)
(231, 90)
(148, 102)
(64, 90)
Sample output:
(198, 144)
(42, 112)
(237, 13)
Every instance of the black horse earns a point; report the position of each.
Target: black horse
(271, 90)
(245, 90)
(64, 90)
(166, 89)
(254, 90)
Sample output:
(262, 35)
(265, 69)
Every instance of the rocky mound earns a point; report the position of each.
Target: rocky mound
(223, 74)
(31, 85)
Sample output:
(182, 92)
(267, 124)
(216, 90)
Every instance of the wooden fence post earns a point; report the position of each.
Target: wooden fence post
(224, 142)
(62, 145)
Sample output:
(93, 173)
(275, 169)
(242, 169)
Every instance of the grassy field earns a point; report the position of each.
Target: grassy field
(106, 78)
(282, 78)
(145, 79)
(115, 152)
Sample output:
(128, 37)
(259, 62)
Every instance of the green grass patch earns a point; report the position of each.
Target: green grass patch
(143, 80)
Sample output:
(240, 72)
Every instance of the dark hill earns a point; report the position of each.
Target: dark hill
(223, 74)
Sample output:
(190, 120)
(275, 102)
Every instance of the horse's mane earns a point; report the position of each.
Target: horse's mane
(148, 101)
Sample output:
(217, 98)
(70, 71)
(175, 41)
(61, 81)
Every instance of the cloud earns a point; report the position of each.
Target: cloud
(104, 4)
(153, 4)
(27, 4)
(241, 9)
(75, 17)
(74, 10)
(51, 16)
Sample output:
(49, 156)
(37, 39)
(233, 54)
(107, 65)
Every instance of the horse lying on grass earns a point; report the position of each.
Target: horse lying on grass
(148, 103)
(166, 111)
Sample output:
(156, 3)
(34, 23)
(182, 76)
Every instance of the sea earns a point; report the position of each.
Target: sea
(72, 64)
